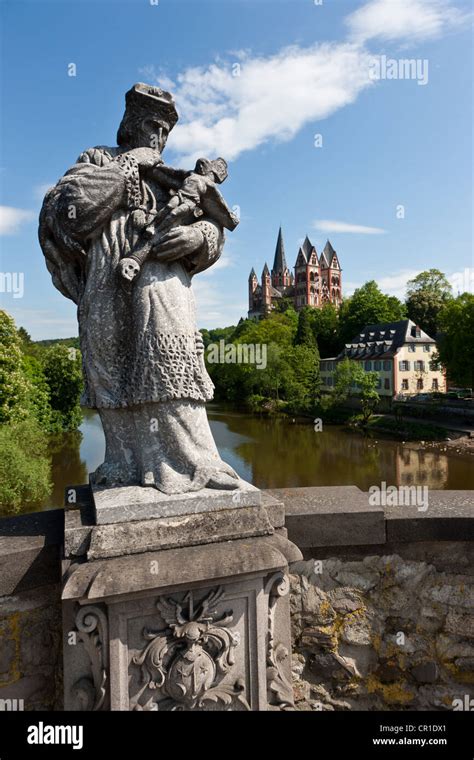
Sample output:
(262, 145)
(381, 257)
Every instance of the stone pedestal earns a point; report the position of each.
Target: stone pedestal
(188, 612)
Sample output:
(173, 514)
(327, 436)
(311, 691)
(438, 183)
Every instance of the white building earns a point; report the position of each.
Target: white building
(400, 352)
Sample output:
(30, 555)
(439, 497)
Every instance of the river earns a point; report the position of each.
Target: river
(279, 453)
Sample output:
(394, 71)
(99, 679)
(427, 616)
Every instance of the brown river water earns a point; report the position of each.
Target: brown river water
(280, 453)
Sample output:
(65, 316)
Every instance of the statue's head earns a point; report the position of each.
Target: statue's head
(216, 169)
(150, 115)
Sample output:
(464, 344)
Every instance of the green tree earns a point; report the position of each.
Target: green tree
(350, 378)
(304, 333)
(24, 412)
(283, 304)
(325, 325)
(456, 342)
(38, 395)
(14, 386)
(62, 371)
(303, 384)
(368, 306)
(24, 336)
(25, 469)
(344, 380)
(369, 398)
(276, 328)
(427, 295)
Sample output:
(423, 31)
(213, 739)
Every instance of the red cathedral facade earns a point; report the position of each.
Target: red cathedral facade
(316, 280)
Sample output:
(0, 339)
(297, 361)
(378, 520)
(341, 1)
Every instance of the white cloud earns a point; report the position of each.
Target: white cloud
(403, 20)
(462, 282)
(270, 100)
(328, 225)
(12, 218)
(226, 110)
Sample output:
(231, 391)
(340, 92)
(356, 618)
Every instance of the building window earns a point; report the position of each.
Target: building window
(387, 383)
(368, 366)
(387, 365)
(404, 366)
(420, 366)
(419, 384)
(412, 347)
(404, 385)
(377, 365)
(329, 380)
(427, 348)
(379, 383)
(434, 384)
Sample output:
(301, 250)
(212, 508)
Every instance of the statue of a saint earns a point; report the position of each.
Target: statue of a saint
(142, 354)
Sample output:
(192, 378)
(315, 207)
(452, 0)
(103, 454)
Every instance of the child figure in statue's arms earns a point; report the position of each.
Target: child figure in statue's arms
(193, 194)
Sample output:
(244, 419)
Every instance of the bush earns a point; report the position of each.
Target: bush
(63, 376)
(25, 466)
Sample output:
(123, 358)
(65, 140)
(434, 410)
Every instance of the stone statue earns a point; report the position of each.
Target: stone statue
(142, 355)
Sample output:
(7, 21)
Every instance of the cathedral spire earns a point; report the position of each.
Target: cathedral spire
(279, 263)
(329, 250)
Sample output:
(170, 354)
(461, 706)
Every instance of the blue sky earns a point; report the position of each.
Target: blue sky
(255, 81)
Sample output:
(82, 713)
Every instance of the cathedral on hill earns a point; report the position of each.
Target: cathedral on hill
(316, 280)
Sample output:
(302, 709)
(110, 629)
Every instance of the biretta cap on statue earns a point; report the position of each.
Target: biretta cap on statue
(147, 98)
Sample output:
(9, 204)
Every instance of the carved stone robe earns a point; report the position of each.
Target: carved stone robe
(142, 367)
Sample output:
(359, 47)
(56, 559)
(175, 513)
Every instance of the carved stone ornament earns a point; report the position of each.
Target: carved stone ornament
(91, 629)
(187, 661)
(279, 687)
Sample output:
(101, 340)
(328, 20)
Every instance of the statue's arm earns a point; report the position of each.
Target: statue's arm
(210, 250)
(88, 194)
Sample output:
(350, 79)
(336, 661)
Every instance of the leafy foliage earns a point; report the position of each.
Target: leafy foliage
(427, 295)
(368, 306)
(63, 375)
(25, 469)
(289, 378)
(14, 386)
(39, 395)
(350, 377)
(456, 343)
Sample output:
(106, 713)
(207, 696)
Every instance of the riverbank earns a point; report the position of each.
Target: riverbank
(288, 452)
(406, 430)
